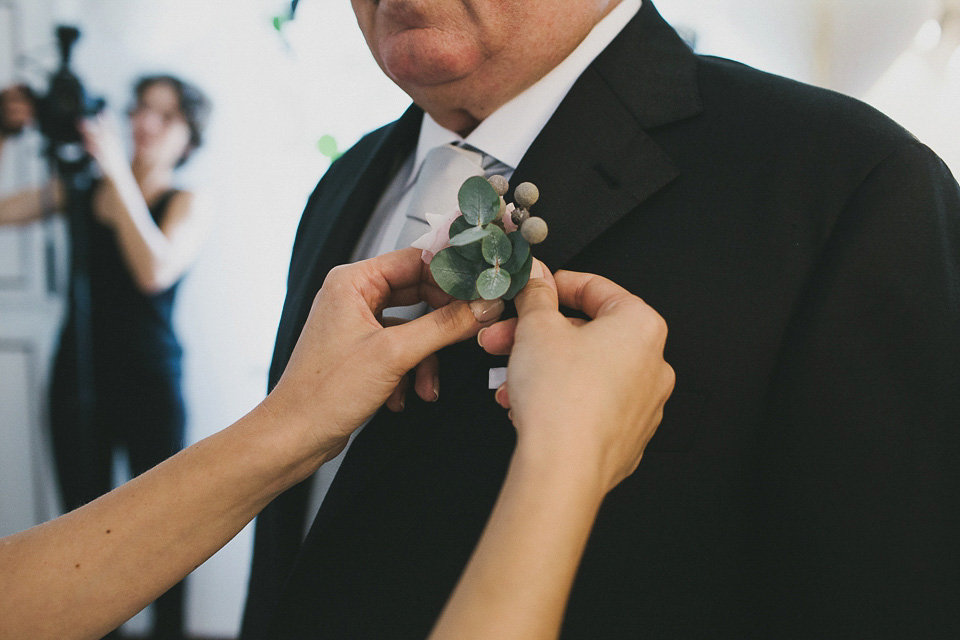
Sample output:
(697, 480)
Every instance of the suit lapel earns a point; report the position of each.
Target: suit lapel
(594, 161)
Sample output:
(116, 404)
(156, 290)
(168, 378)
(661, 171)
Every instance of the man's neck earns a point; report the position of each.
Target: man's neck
(524, 116)
(463, 118)
(460, 121)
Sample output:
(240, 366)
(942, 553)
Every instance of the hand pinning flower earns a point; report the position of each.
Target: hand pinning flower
(483, 250)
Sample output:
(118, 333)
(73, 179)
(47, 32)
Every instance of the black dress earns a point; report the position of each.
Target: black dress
(116, 377)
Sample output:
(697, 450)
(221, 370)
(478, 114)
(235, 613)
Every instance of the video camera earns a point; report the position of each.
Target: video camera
(61, 109)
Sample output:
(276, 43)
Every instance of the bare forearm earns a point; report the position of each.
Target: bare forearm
(146, 251)
(85, 573)
(30, 205)
(517, 583)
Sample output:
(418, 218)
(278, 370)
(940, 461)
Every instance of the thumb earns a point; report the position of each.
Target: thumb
(440, 328)
(540, 292)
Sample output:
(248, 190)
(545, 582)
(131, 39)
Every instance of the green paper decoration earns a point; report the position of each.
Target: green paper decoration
(327, 145)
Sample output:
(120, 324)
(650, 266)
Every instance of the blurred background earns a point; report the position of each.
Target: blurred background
(291, 94)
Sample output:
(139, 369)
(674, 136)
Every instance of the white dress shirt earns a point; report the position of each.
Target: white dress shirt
(506, 134)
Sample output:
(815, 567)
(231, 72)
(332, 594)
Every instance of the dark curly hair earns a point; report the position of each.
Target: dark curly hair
(194, 105)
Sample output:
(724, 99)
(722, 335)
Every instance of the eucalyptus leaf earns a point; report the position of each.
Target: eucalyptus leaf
(518, 279)
(493, 283)
(469, 251)
(496, 246)
(459, 224)
(479, 203)
(521, 250)
(473, 234)
(473, 252)
(455, 274)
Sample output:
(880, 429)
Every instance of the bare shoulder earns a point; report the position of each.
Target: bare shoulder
(182, 200)
(185, 208)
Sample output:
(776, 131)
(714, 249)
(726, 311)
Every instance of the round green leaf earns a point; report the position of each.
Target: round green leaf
(521, 250)
(473, 252)
(479, 203)
(459, 224)
(493, 283)
(496, 246)
(519, 278)
(469, 251)
(455, 274)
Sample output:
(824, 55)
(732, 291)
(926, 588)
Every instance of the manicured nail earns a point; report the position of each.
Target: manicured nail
(480, 336)
(486, 310)
(403, 403)
(436, 388)
(536, 271)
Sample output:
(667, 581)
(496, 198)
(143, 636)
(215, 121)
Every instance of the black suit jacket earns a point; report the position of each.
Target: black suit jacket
(805, 253)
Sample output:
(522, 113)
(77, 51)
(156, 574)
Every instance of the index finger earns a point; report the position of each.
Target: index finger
(398, 278)
(590, 293)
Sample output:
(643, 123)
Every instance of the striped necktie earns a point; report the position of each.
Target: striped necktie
(444, 170)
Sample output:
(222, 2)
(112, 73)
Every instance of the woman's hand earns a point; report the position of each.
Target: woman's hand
(347, 364)
(583, 393)
(16, 110)
(102, 140)
(585, 397)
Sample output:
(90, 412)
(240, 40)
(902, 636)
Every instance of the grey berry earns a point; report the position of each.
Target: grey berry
(526, 194)
(534, 230)
(519, 215)
(499, 184)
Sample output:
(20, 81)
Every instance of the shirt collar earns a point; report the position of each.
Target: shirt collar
(527, 113)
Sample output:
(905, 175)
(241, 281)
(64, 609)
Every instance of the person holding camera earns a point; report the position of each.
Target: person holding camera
(116, 376)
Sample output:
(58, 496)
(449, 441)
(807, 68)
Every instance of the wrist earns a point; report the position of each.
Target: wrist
(295, 439)
(568, 470)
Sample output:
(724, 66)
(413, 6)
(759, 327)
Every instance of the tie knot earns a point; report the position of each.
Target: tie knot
(450, 159)
(461, 153)
(444, 169)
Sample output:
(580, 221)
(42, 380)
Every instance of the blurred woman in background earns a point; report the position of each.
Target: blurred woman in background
(123, 371)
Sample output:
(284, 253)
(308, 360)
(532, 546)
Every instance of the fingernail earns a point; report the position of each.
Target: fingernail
(536, 271)
(403, 404)
(498, 396)
(480, 336)
(486, 310)
(436, 389)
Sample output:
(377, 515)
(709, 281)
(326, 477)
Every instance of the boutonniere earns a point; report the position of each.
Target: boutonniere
(483, 249)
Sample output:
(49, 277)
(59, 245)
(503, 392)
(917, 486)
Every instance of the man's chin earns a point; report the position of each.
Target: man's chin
(413, 64)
